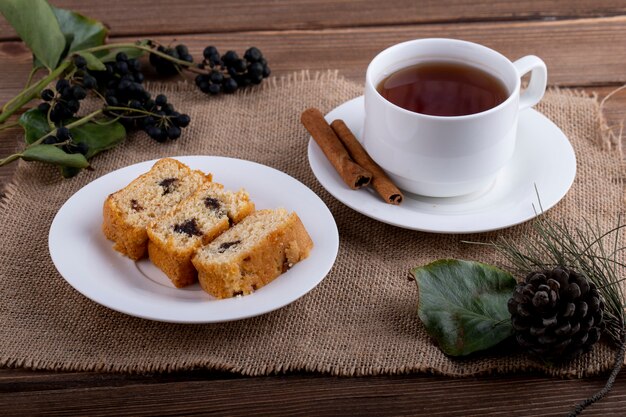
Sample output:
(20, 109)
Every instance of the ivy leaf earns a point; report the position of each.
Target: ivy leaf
(35, 125)
(93, 63)
(98, 137)
(85, 32)
(51, 154)
(35, 23)
(463, 304)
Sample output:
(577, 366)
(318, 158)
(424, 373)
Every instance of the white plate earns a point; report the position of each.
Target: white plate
(87, 261)
(543, 157)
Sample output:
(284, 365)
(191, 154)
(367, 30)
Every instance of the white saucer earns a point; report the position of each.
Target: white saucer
(543, 158)
(87, 261)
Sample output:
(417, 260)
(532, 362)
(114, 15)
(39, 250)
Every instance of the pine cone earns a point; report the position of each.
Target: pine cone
(556, 314)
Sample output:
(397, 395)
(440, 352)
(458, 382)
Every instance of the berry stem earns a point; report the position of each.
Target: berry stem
(10, 159)
(129, 109)
(140, 47)
(9, 125)
(31, 92)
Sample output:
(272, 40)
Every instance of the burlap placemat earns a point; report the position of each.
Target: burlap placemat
(361, 320)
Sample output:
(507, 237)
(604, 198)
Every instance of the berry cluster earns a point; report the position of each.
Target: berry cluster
(229, 72)
(63, 102)
(122, 85)
(163, 66)
(166, 122)
(63, 136)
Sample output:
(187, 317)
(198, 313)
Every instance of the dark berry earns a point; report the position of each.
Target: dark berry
(230, 86)
(62, 84)
(253, 54)
(121, 57)
(255, 79)
(205, 87)
(80, 62)
(135, 104)
(229, 57)
(78, 92)
(47, 94)
(216, 77)
(209, 51)
(50, 140)
(213, 89)
(161, 100)
(187, 58)
(139, 77)
(266, 71)
(255, 69)
(134, 65)
(168, 109)
(153, 131)
(123, 85)
(199, 79)
(63, 133)
(81, 147)
(122, 67)
(182, 50)
(67, 93)
(44, 107)
(240, 65)
(173, 132)
(73, 106)
(148, 121)
(183, 120)
(89, 82)
(112, 101)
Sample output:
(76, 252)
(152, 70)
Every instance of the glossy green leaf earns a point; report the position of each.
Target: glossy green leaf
(81, 32)
(35, 124)
(98, 137)
(35, 23)
(51, 154)
(463, 304)
(93, 63)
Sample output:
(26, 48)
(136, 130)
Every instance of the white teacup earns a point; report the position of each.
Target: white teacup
(446, 156)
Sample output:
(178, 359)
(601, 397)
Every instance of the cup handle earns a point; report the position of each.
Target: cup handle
(538, 79)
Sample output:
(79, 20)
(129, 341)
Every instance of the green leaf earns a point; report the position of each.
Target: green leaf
(93, 63)
(51, 154)
(82, 32)
(35, 124)
(463, 304)
(109, 55)
(98, 137)
(35, 23)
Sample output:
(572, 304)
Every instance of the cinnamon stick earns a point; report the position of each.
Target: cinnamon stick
(352, 174)
(380, 181)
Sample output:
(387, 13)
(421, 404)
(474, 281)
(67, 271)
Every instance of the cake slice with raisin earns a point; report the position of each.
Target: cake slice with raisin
(128, 211)
(252, 253)
(195, 221)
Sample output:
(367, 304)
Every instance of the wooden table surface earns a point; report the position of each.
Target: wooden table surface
(583, 43)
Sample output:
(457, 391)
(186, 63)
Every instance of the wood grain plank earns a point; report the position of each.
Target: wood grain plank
(577, 52)
(582, 52)
(320, 395)
(199, 16)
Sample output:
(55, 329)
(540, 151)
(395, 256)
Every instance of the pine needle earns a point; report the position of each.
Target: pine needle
(585, 250)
